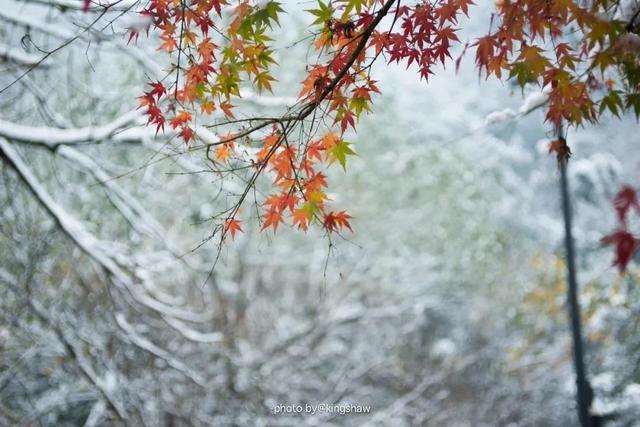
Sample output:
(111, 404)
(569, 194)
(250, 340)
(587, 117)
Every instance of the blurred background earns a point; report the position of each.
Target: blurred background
(445, 307)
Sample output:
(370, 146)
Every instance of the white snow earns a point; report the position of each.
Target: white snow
(500, 116)
(266, 101)
(531, 102)
(26, 20)
(261, 4)
(192, 334)
(75, 230)
(626, 9)
(444, 347)
(534, 100)
(20, 57)
(139, 22)
(52, 137)
(147, 345)
(632, 393)
(604, 381)
(128, 206)
(71, 226)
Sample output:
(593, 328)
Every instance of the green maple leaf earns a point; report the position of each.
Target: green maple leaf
(268, 14)
(323, 14)
(612, 102)
(633, 101)
(353, 5)
(340, 152)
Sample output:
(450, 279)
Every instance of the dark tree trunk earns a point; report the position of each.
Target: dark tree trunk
(585, 394)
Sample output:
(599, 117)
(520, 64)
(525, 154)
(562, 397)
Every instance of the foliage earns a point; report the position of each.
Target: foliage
(115, 320)
(584, 56)
(622, 239)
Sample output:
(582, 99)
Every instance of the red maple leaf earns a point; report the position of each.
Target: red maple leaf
(186, 134)
(625, 246)
(333, 221)
(624, 200)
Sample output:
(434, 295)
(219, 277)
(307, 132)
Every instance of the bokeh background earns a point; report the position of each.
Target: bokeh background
(445, 307)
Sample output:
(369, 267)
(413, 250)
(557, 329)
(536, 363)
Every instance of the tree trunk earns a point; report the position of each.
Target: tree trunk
(585, 394)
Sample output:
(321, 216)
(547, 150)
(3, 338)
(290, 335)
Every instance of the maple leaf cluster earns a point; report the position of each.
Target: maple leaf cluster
(581, 51)
(623, 241)
(208, 72)
(585, 57)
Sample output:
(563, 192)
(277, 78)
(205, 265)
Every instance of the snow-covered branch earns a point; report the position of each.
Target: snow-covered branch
(84, 367)
(135, 214)
(19, 57)
(155, 350)
(95, 6)
(78, 233)
(50, 137)
(67, 223)
(532, 102)
(60, 31)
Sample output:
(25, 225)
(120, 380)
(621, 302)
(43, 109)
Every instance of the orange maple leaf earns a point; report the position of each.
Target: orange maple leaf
(300, 219)
(232, 226)
(272, 218)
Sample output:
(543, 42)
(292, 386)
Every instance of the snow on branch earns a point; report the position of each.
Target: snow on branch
(136, 53)
(76, 231)
(46, 110)
(193, 335)
(135, 214)
(61, 32)
(400, 404)
(95, 5)
(627, 11)
(67, 223)
(117, 130)
(266, 101)
(29, 22)
(158, 352)
(41, 312)
(19, 57)
(57, 397)
(532, 102)
(96, 414)
(53, 137)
